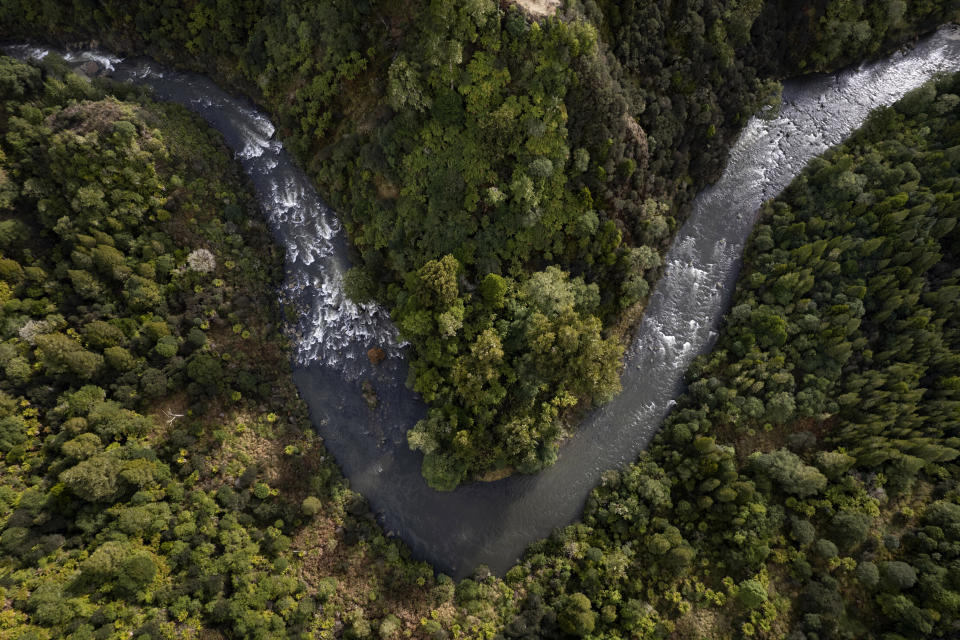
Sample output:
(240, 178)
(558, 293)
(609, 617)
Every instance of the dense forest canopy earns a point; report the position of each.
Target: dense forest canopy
(478, 156)
(159, 478)
(805, 486)
(153, 472)
(159, 474)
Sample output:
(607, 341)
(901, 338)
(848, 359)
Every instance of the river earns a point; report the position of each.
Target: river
(492, 523)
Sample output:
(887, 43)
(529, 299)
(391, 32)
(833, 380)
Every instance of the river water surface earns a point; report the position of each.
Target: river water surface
(491, 523)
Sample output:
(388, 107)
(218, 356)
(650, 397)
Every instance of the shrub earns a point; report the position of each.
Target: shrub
(311, 506)
(751, 594)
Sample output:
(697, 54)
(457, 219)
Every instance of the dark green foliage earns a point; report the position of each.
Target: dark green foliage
(825, 549)
(897, 576)
(826, 34)
(570, 359)
(575, 616)
(818, 427)
(442, 132)
(17, 80)
(850, 529)
(868, 574)
(789, 472)
(802, 531)
(751, 594)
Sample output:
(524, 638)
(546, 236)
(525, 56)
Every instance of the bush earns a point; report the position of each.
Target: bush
(311, 506)
(751, 594)
(389, 627)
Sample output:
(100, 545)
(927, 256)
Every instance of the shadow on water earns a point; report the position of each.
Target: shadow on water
(491, 523)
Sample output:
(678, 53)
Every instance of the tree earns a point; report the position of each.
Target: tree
(112, 422)
(868, 574)
(850, 529)
(403, 89)
(575, 615)
(751, 594)
(205, 370)
(802, 531)
(93, 479)
(61, 354)
(311, 506)
(441, 471)
(17, 80)
(136, 572)
(389, 627)
(436, 286)
(143, 294)
(13, 431)
(789, 472)
(834, 464)
(119, 358)
(82, 447)
(897, 575)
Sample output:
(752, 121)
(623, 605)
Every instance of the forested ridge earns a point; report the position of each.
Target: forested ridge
(509, 185)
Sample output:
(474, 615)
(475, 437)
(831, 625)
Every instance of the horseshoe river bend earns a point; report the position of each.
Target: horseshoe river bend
(491, 523)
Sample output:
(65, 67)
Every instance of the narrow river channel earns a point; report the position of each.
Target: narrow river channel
(491, 523)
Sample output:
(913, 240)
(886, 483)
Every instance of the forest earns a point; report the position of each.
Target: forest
(509, 185)
(160, 478)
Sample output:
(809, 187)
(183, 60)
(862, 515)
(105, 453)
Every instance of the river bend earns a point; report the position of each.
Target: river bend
(491, 523)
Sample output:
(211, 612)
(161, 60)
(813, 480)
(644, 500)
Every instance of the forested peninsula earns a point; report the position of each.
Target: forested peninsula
(509, 185)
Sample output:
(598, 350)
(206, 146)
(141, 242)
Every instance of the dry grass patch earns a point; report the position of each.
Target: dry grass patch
(702, 623)
(539, 8)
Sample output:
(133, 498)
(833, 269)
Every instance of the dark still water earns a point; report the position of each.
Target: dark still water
(491, 523)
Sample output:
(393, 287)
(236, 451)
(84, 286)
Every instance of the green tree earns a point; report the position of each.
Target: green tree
(576, 616)
(751, 594)
(789, 472)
